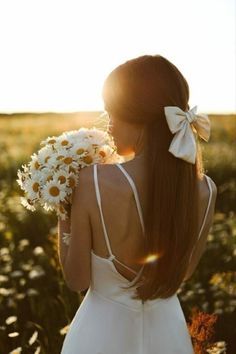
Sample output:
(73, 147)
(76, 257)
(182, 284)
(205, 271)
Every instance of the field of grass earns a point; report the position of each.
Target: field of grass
(35, 304)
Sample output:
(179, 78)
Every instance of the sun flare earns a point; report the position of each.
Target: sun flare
(151, 258)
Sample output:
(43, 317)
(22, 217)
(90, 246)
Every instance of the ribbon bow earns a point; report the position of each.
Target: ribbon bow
(183, 144)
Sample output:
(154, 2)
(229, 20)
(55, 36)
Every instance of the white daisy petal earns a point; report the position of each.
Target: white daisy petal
(53, 192)
(27, 203)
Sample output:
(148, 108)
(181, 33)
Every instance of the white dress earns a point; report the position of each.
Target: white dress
(109, 321)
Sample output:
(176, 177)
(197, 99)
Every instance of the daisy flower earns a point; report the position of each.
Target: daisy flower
(72, 180)
(63, 142)
(53, 192)
(51, 140)
(55, 159)
(61, 211)
(44, 154)
(61, 176)
(27, 203)
(34, 164)
(47, 206)
(53, 172)
(22, 176)
(80, 148)
(32, 187)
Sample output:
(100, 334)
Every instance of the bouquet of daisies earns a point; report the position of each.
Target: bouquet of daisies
(53, 172)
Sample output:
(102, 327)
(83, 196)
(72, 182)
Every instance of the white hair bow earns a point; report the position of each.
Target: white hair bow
(183, 144)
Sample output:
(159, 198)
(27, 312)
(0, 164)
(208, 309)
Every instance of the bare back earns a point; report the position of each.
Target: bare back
(122, 219)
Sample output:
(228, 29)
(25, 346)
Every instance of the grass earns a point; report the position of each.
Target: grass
(35, 305)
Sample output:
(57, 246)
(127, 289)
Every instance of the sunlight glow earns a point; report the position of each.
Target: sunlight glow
(151, 258)
(57, 54)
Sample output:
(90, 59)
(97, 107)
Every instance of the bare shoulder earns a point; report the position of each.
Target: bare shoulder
(85, 188)
(112, 183)
(86, 175)
(107, 174)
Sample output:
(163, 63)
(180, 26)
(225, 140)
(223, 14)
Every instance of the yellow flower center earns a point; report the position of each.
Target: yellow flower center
(49, 178)
(71, 169)
(51, 141)
(64, 142)
(71, 182)
(35, 187)
(87, 159)
(54, 191)
(102, 153)
(80, 151)
(36, 165)
(62, 210)
(62, 179)
(68, 160)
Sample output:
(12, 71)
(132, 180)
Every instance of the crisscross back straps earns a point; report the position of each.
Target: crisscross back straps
(98, 196)
(135, 195)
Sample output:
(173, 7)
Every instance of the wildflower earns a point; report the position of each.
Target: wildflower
(13, 334)
(32, 292)
(52, 174)
(27, 203)
(11, 319)
(53, 192)
(64, 330)
(38, 251)
(16, 351)
(36, 272)
(33, 338)
(201, 329)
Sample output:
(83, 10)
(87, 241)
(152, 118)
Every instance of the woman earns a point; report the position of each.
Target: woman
(139, 228)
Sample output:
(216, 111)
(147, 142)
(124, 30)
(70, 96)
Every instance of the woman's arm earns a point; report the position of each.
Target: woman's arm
(75, 258)
(63, 226)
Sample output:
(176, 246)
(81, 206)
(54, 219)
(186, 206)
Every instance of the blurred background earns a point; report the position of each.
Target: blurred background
(55, 56)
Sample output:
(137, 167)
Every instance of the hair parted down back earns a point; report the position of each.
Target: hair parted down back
(137, 91)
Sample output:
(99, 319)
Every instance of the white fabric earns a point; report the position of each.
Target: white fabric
(183, 144)
(109, 321)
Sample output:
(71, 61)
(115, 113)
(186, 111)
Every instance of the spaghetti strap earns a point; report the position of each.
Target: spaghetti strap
(100, 208)
(135, 194)
(208, 205)
(206, 213)
(98, 196)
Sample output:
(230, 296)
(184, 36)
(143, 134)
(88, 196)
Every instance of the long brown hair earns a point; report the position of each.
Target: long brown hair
(137, 91)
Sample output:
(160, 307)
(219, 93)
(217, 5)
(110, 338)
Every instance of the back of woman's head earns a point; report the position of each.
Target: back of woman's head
(139, 89)
(137, 92)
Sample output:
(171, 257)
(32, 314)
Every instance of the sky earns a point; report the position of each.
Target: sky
(55, 55)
